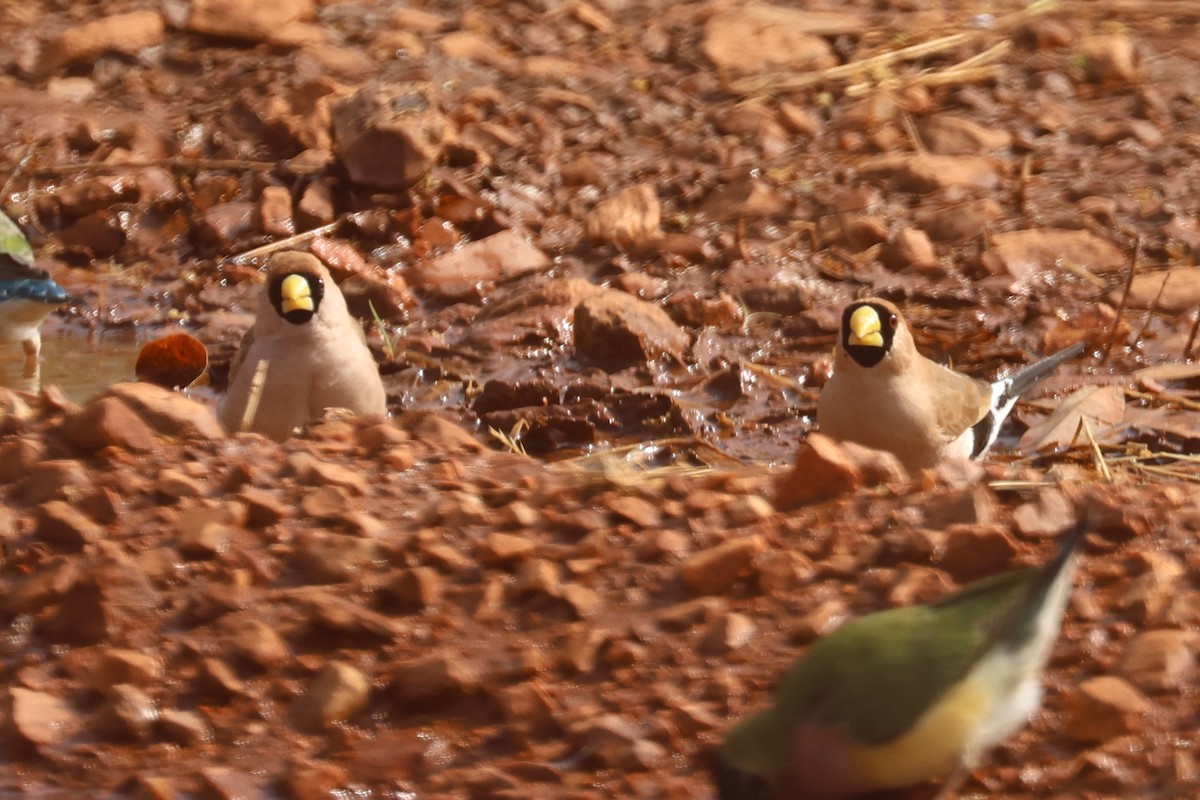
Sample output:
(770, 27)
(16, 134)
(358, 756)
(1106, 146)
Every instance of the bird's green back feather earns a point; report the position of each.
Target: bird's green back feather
(16, 256)
(878, 675)
(13, 242)
(875, 676)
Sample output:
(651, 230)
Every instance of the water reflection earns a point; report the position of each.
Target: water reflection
(79, 362)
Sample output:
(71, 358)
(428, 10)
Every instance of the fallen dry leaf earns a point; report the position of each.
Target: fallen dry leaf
(175, 361)
(1102, 405)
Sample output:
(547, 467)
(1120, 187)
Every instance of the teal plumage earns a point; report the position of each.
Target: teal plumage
(27, 294)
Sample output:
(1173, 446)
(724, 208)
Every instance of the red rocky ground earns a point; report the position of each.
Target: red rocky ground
(608, 243)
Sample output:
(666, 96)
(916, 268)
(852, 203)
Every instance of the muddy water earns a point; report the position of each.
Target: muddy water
(79, 362)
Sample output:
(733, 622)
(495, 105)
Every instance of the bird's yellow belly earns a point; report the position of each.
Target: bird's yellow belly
(936, 743)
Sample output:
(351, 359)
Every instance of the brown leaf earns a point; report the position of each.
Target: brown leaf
(176, 360)
(1100, 404)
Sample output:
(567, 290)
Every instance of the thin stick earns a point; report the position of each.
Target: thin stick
(1179, 371)
(1075, 436)
(782, 381)
(1116, 326)
(1097, 453)
(622, 453)
(1021, 194)
(1155, 8)
(284, 244)
(739, 236)
(1153, 307)
(1187, 348)
(913, 134)
(512, 439)
(986, 57)
(256, 390)
(389, 340)
(792, 81)
(1016, 486)
(178, 162)
(1164, 471)
(928, 79)
(1083, 272)
(1164, 398)
(975, 69)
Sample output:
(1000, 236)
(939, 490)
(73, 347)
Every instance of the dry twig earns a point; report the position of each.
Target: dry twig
(1164, 398)
(1097, 454)
(178, 163)
(1153, 307)
(284, 244)
(1191, 341)
(1116, 326)
(256, 390)
(975, 69)
(775, 83)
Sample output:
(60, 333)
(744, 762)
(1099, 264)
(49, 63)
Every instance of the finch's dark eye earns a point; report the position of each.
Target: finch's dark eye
(892, 320)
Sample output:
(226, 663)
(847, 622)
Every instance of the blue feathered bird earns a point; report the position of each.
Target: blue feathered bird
(27, 294)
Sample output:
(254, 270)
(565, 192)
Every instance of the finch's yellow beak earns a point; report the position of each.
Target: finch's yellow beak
(865, 327)
(296, 293)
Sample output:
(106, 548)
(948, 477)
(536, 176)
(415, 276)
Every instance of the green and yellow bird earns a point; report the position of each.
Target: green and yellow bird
(907, 695)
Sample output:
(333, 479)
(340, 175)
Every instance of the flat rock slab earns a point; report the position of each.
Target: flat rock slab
(239, 19)
(757, 37)
(1022, 253)
(472, 270)
(1172, 291)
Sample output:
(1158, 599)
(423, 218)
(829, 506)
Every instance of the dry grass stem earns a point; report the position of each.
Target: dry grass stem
(1164, 398)
(928, 79)
(1098, 459)
(772, 377)
(792, 81)
(256, 390)
(283, 244)
(1191, 340)
(178, 163)
(773, 83)
(1153, 308)
(1181, 9)
(389, 340)
(512, 439)
(1080, 271)
(628, 465)
(1116, 326)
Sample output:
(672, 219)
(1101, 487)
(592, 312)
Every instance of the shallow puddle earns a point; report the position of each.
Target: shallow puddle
(79, 362)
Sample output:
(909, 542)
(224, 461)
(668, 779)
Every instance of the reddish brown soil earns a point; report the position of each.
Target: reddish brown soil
(599, 233)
